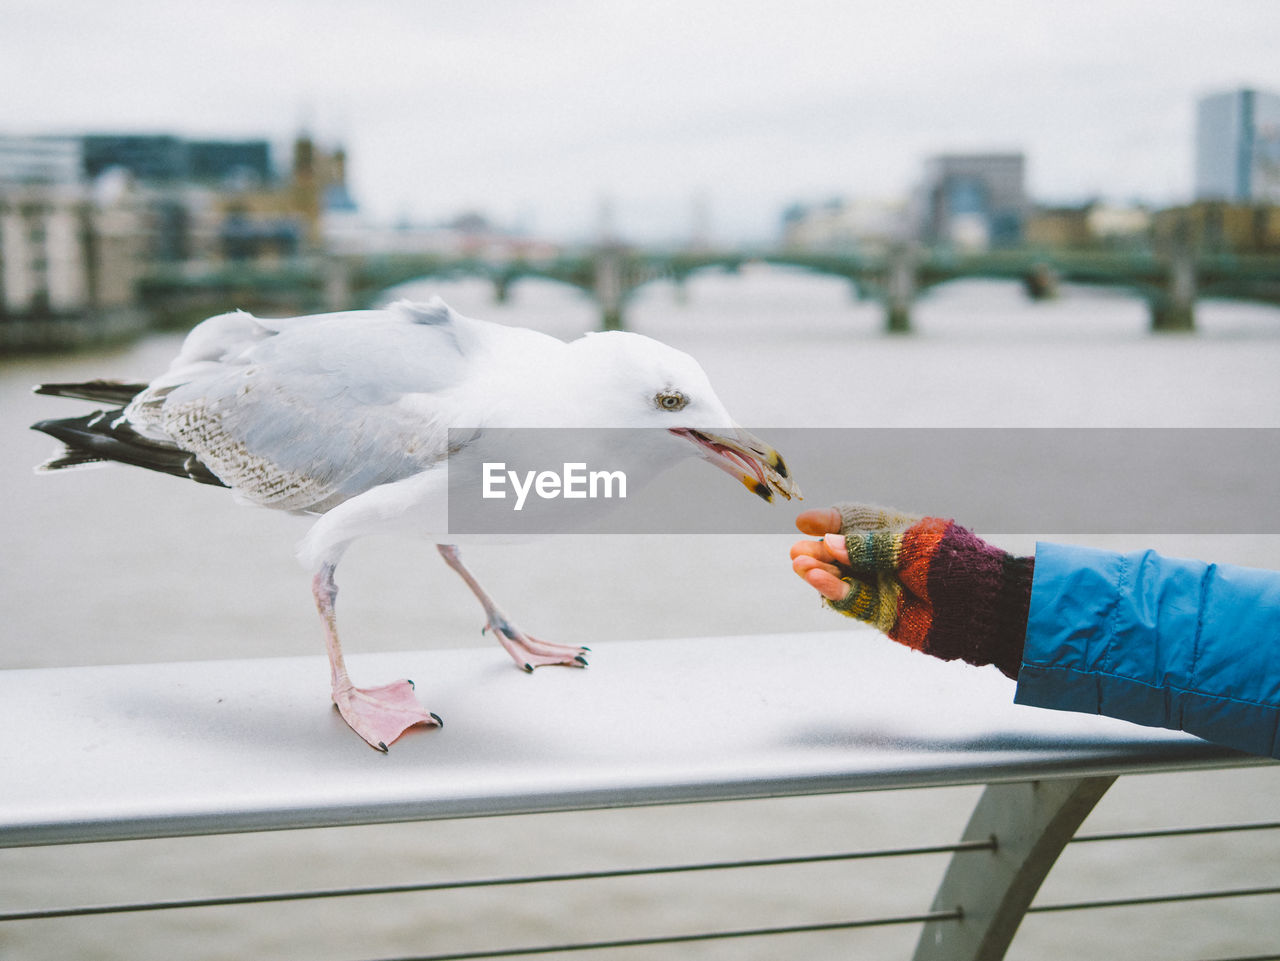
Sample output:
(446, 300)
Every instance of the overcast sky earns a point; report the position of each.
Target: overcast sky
(533, 112)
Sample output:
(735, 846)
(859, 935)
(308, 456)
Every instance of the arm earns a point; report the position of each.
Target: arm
(1166, 643)
(1159, 641)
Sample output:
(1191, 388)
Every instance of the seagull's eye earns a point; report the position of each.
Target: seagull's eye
(670, 400)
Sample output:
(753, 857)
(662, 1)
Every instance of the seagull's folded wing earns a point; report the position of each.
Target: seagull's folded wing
(303, 414)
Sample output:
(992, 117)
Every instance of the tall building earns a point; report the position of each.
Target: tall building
(974, 201)
(1238, 147)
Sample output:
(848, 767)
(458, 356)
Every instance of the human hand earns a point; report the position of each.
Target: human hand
(822, 564)
(926, 582)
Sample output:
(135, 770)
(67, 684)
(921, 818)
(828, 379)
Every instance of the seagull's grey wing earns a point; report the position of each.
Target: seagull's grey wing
(313, 413)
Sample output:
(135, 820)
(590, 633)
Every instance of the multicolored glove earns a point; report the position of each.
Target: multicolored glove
(935, 586)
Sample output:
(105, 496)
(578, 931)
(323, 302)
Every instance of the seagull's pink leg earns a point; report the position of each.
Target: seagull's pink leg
(377, 714)
(528, 652)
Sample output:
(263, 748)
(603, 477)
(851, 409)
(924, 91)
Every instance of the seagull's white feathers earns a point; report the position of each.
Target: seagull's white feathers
(306, 413)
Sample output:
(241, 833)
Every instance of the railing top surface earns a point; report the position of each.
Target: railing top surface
(109, 753)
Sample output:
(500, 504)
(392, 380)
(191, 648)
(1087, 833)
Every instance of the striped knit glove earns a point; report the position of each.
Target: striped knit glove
(935, 586)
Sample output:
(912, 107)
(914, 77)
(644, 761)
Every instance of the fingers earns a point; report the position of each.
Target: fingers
(805, 563)
(854, 597)
(828, 585)
(819, 549)
(818, 521)
(876, 551)
(824, 578)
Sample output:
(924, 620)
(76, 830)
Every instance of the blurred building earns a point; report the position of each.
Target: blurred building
(203, 196)
(229, 162)
(318, 188)
(41, 160)
(224, 200)
(1096, 224)
(1216, 227)
(164, 158)
(1238, 147)
(259, 219)
(64, 248)
(64, 251)
(84, 218)
(842, 225)
(150, 158)
(974, 201)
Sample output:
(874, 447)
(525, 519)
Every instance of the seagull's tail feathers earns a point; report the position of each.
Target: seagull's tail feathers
(98, 391)
(106, 435)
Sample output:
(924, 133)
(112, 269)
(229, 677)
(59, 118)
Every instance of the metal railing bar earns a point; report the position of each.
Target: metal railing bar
(1252, 957)
(1176, 832)
(45, 914)
(955, 915)
(1151, 899)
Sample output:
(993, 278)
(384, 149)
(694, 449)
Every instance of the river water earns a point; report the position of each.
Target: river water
(116, 565)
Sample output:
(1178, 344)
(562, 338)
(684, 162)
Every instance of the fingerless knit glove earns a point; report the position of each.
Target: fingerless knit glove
(935, 586)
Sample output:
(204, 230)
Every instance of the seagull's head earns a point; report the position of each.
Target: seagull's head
(637, 381)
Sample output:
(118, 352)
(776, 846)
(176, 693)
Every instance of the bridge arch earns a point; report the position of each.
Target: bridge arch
(611, 275)
(371, 276)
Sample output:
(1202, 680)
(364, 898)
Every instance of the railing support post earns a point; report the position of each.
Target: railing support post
(1031, 822)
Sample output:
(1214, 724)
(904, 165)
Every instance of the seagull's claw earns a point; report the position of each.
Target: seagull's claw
(529, 652)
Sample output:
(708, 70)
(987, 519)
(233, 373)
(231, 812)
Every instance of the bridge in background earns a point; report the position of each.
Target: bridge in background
(1170, 282)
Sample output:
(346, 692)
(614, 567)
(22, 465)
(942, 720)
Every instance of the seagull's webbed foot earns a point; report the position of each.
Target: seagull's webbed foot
(381, 714)
(530, 652)
(377, 714)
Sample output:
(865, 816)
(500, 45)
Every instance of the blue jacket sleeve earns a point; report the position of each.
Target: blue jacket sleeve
(1166, 643)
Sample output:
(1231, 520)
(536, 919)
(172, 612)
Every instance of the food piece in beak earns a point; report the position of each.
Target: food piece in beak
(746, 457)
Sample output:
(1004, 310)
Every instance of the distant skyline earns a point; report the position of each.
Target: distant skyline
(678, 114)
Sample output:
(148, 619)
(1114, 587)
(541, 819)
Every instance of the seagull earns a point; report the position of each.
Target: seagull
(354, 417)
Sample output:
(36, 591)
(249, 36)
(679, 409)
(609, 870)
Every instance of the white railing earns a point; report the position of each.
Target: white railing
(151, 751)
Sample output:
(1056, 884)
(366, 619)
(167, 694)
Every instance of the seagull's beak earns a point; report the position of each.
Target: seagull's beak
(741, 454)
